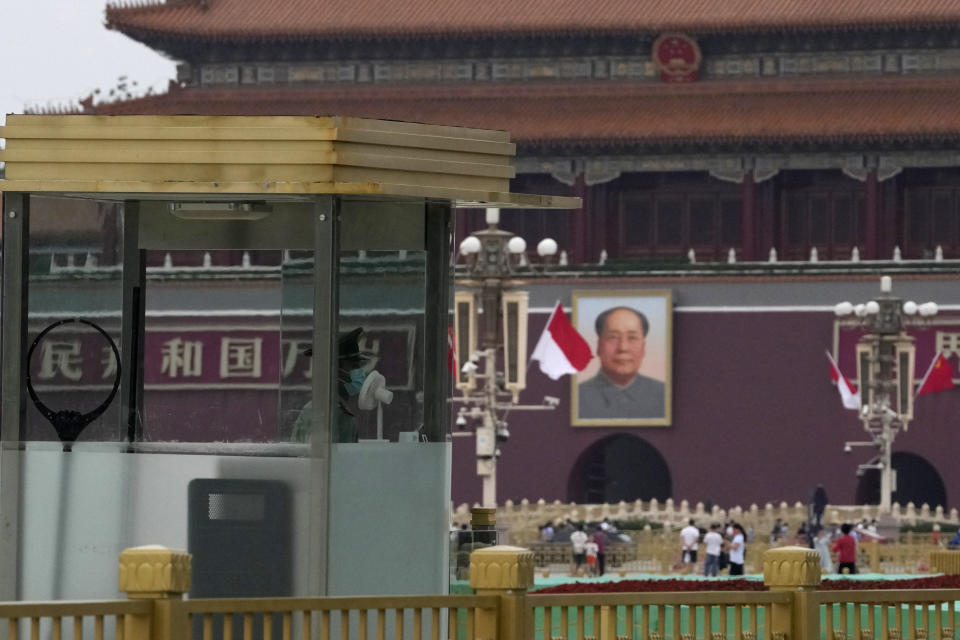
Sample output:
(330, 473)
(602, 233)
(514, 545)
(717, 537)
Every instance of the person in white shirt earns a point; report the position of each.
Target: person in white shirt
(689, 537)
(713, 542)
(578, 539)
(738, 548)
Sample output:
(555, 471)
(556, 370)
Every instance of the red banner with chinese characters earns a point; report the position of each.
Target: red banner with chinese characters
(187, 355)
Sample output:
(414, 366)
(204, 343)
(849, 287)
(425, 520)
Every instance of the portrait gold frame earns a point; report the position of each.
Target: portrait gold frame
(617, 297)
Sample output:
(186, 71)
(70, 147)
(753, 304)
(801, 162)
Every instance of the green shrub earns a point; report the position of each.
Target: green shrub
(927, 527)
(636, 524)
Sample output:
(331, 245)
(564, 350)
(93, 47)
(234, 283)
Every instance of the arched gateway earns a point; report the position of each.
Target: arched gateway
(918, 482)
(619, 467)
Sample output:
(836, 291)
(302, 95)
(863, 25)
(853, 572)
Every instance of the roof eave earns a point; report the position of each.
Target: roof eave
(140, 32)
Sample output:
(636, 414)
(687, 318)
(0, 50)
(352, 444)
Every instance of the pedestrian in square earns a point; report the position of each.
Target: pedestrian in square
(590, 549)
(713, 543)
(689, 538)
(578, 540)
(846, 548)
(600, 539)
(738, 549)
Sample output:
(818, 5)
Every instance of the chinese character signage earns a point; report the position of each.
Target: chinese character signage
(186, 356)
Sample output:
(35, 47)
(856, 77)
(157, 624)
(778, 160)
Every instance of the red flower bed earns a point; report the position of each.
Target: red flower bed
(644, 586)
(672, 584)
(933, 582)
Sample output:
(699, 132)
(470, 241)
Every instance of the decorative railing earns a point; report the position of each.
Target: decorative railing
(62, 620)
(793, 608)
(523, 519)
(435, 617)
(648, 555)
(899, 558)
(931, 613)
(649, 616)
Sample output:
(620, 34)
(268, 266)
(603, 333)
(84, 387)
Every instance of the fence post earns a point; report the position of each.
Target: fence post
(162, 576)
(873, 553)
(506, 572)
(795, 570)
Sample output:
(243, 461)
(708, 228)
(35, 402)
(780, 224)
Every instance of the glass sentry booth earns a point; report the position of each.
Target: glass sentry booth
(229, 335)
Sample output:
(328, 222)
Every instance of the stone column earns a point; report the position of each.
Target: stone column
(163, 576)
(795, 570)
(506, 572)
(871, 218)
(581, 224)
(748, 218)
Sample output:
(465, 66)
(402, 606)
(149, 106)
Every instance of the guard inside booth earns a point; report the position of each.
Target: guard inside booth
(350, 378)
(199, 291)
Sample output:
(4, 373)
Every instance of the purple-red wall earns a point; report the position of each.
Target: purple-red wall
(756, 419)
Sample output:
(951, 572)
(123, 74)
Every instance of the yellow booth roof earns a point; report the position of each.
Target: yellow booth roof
(270, 156)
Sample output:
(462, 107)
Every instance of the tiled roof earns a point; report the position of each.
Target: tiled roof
(918, 108)
(245, 19)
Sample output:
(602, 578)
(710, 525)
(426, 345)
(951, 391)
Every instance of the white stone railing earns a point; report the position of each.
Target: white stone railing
(522, 519)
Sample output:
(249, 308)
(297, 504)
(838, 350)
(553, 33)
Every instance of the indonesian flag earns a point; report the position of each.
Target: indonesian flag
(848, 393)
(939, 376)
(561, 349)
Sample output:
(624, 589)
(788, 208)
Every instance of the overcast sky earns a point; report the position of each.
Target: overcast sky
(55, 52)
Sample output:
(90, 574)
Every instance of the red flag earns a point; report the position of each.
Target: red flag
(848, 393)
(939, 376)
(561, 349)
(451, 350)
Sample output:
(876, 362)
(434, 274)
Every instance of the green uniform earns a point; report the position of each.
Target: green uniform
(345, 429)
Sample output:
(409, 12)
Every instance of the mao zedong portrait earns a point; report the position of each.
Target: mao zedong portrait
(619, 391)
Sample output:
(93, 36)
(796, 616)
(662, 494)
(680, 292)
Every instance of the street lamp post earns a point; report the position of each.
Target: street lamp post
(885, 366)
(490, 324)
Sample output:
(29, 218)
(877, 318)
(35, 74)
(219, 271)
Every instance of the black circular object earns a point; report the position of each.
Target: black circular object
(68, 423)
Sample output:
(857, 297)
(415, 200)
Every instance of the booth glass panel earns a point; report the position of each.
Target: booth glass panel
(395, 469)
(384, 293)
(75, 269)
(225, 340)
(296, 338)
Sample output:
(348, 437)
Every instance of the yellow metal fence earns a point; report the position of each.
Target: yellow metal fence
(78, 620)
(881, 615)
(373, 618)
(156, 580)
(648, 616)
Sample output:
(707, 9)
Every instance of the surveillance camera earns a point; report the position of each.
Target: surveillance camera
(551, 401)
(846, 447)
(469, 367)
(503, 434)
(461, 420)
